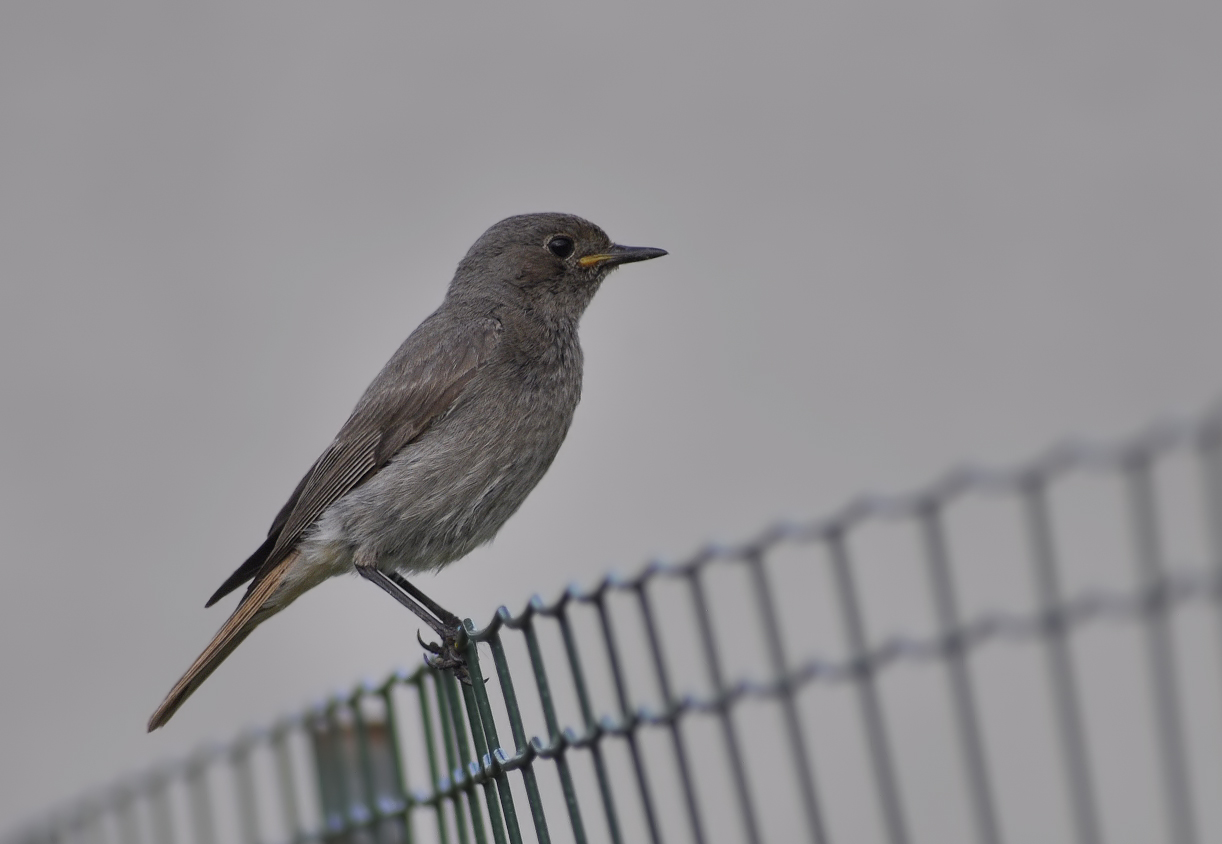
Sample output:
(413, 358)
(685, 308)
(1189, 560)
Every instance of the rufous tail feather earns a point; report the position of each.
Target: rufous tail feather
(244, 619)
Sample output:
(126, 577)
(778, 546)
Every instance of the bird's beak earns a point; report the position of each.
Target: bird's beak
(617, 255)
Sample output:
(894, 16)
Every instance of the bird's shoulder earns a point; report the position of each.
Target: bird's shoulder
(441, 353)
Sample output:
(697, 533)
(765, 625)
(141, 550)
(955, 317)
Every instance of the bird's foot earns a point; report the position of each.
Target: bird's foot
(446, 656)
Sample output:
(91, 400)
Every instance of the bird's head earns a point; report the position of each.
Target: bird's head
(553, 262)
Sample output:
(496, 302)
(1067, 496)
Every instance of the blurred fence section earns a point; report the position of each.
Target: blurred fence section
(1023, 655)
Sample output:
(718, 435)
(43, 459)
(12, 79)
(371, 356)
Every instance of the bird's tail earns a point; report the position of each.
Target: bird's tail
(251, 612)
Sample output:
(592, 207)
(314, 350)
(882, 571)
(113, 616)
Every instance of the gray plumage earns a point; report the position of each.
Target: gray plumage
(451, 436)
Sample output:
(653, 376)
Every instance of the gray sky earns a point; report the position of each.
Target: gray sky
(899, 237)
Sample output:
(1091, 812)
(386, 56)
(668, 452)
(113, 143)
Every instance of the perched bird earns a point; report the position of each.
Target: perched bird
(447, 441)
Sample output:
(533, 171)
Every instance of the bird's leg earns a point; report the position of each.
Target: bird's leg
(445, 616)
(388, 585)
(446, 654)
(443, 622)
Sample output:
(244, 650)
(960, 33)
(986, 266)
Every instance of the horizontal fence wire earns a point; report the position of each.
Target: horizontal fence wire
(697, 701)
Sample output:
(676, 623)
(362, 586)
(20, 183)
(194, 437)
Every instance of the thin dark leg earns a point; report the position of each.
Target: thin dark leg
(448, 618)
(391, 586)
(444, 623)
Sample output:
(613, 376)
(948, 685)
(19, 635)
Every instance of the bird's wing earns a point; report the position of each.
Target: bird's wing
(417, 385)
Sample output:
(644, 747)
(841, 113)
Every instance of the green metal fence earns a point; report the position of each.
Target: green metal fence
(759, 692)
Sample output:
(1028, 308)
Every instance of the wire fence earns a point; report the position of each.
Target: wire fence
(1060, 680)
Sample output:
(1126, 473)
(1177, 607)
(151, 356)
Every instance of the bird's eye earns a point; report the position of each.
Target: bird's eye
(561, 246)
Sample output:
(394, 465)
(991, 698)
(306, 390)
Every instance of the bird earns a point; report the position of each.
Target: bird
(446, 442)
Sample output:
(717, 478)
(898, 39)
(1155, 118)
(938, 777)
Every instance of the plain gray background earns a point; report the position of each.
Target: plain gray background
(900, 235)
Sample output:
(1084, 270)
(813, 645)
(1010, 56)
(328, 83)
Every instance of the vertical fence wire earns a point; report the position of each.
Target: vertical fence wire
(402, 805)
(1160, 651)
(466, 774)
(882, 764)
(457, 775)
(803, 769)
(244, 791)
(430, 743)
(592, 727)
(627, 718)
(748, 814)
(202, 820)
(1209, 451)
(503, 816)
(361, 768)
(669, 703)
(290, 811)
(521, 745)
(555, 737)
(963, 695)
(1071, 736)
(159, 812)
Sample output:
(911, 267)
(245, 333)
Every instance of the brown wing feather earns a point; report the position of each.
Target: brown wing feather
(417, 385)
